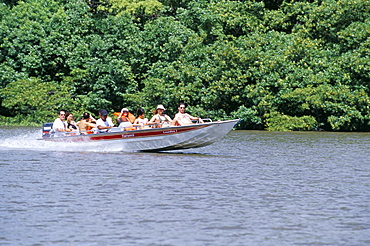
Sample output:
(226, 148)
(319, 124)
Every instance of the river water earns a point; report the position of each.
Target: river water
(250, 188)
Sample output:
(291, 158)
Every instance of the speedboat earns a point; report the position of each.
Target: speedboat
(150, 139)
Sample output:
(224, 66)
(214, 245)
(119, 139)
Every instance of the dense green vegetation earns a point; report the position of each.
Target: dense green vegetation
(277, 65)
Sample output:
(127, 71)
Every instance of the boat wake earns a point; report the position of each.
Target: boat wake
(22, 139)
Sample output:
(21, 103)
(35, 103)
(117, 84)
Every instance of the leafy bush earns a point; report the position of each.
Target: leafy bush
(280, 65)
(278, 122)
(32, 100)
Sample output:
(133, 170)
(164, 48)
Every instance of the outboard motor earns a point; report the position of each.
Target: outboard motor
(47, 130)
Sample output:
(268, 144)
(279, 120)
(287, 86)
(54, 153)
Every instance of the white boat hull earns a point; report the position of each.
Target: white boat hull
(157, 139)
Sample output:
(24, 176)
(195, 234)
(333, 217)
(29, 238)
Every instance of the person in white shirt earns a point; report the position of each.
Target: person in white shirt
(141, 121)
(184, 119)
(59, 126)
(104, 124)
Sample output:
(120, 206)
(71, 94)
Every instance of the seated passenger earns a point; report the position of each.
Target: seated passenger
(140, 118)
(85, 124)
(184, 119)
(162, 120)
(59, 126)
(125, 116)
(104, 124)
(90, 118)
(71, 125)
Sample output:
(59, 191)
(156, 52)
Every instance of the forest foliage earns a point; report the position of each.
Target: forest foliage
(276, 65)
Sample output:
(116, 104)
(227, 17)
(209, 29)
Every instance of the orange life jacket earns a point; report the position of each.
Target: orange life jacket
(130, 116)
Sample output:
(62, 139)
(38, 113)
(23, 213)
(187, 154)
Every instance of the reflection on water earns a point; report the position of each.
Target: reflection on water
(250, 188)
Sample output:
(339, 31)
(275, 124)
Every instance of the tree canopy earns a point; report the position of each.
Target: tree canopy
(276, 65)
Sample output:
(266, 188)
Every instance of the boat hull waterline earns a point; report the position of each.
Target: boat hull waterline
(156, 139)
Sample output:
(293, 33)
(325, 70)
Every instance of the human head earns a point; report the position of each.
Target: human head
(160, 108)
(139, 112)
(62, 114)
(103, 113)
(70, 115)
(182, 107)
(124, 110)
(86, 115)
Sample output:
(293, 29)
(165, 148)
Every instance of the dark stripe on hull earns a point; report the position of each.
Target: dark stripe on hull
(127, 134)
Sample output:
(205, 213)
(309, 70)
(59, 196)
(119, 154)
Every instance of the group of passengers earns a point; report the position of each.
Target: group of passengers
(65, 125)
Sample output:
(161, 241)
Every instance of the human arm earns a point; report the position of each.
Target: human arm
(168, 118)
(59, 126)
(92, 125)
(102, 127)
(175, 121)
(119, 117)
(153, 119)
(107, 124)
(85, 126)
(195, 118)
(73, 126)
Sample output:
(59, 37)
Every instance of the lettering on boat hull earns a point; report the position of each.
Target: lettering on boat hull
(169, 131)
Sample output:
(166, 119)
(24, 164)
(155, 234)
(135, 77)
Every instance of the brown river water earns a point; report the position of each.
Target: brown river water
(250, 188)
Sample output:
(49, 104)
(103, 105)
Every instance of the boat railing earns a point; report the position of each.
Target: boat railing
(207, 120)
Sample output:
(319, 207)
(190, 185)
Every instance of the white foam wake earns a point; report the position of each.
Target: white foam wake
(29, 139)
